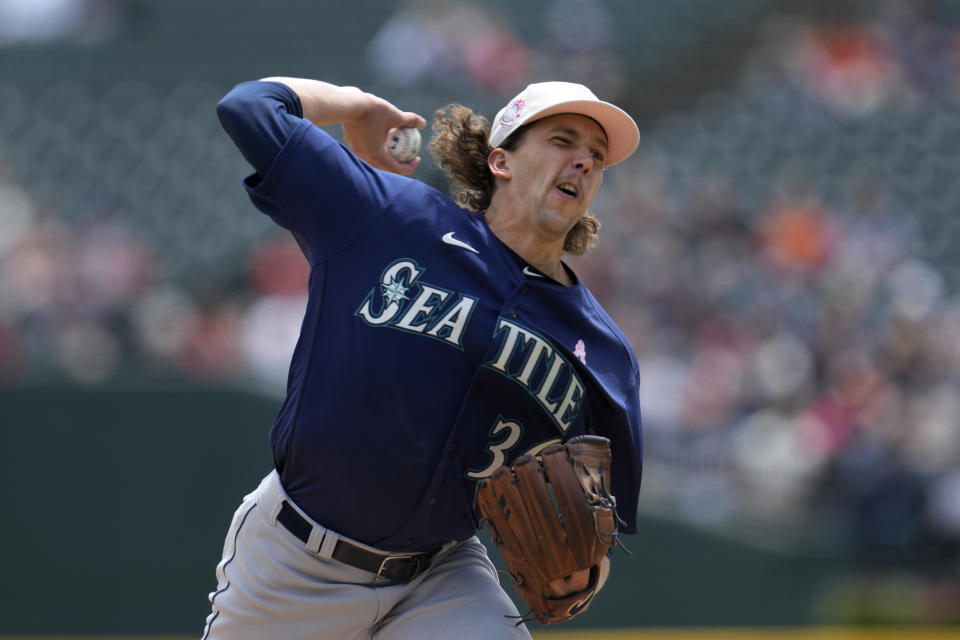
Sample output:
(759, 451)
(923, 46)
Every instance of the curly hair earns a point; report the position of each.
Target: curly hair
(459, 146)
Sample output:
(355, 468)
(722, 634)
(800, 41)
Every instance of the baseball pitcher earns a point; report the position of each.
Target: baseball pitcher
(451, 372)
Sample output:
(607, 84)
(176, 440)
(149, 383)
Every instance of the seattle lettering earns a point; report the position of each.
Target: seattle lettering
(559, 390)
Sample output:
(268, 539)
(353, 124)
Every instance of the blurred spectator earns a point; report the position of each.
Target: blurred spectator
(849, 69)
(271, 326)
(211, 349)
(796, 237)
(268, 336)
(277, 267)
(114, 267)
(163, 321)
(451, 44)
(579, 43)
(35, 21)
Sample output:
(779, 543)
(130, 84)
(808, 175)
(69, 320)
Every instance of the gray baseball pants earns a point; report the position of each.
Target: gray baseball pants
(273, 585)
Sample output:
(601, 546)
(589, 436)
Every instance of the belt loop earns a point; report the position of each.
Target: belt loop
(328, 544)
(274, 512)
(272, 496)
(315, 541)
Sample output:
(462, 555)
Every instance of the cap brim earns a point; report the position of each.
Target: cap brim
(623, 136)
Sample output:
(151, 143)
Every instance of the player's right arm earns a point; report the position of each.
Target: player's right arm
(261, 116)
(366, 118)
(305, 180)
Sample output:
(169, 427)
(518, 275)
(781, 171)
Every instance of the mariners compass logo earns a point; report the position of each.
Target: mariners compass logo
(394, 291)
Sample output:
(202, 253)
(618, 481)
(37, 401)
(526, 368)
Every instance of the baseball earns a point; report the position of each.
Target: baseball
(404, 144)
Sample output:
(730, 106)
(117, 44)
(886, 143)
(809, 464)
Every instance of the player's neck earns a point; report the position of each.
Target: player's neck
(540, 250)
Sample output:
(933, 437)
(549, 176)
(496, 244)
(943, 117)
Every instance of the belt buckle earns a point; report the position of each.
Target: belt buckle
(415, 557)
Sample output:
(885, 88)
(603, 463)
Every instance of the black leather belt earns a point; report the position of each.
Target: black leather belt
(397, 568)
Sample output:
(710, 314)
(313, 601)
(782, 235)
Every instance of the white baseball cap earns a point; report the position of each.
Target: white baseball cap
(544, 99)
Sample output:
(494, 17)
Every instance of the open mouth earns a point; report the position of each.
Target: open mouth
(568, 189)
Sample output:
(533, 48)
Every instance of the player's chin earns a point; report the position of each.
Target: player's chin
(558, 219)
(567, 213)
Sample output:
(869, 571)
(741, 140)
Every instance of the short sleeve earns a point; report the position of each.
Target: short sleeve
(318, 189)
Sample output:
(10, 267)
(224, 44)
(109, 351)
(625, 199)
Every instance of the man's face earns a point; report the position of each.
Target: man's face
(557, 168)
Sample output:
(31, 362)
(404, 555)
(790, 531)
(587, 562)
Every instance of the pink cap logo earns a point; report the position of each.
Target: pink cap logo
(512, 111)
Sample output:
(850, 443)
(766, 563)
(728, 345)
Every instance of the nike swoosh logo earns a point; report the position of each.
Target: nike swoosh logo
(449, 239)
(530, 272)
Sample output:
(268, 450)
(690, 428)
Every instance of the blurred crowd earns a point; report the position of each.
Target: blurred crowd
(93, 302)
(789, 283)
(475, 48)
(799, 327)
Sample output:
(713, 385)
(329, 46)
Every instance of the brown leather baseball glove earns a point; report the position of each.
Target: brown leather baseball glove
(551, 515)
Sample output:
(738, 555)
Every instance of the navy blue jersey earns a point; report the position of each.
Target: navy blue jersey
(430, 353)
